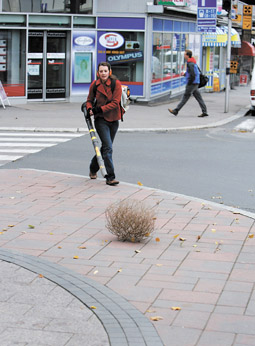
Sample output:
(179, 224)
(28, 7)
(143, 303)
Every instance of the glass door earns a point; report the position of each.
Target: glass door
(35, 64)
(46, 65)
(56, 65)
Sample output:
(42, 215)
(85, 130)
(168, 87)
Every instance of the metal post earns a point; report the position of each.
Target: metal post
(227, 84)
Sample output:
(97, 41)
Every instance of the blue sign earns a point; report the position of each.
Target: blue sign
(207, 15)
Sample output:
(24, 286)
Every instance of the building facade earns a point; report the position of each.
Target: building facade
(50, 49)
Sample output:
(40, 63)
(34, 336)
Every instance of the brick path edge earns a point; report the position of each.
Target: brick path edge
(124, 324)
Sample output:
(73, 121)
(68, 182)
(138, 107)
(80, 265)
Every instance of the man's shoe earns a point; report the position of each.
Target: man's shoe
(92, 175)
(203, 115)
(112, 182)
(173, 111)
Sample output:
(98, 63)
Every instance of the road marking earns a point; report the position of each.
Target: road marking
(15, 145)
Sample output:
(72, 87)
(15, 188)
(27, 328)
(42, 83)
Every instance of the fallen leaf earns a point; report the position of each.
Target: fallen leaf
(51, 233)
(213, 230)
(156, 318)
(182, 239)
(194, 245)
(139, 183)
(198, 237)
(10, 225)
(154, 218)
(1, 232)
(147, 234)
(150, 310)
(40, 276)
(75, 257)
(4, 229)
(95, 272)
(137, 251)
(250, 236)
(31, 226)
(176, 236)
(93, 307)
(175, 308)
(82, 247)
(59, 247)
(120, 270)
(157, 239)
(159, 265)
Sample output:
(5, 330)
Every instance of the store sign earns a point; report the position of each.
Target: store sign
(172, 3)
(83, 41)
(111, 40)
(125, 57)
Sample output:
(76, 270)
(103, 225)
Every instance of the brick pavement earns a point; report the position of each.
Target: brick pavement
(209, 275)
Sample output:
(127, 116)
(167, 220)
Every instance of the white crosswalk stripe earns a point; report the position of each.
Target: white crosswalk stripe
(247, 125)
(15, 145)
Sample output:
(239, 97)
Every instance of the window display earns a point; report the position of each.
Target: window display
(12, 61)
(125, 52)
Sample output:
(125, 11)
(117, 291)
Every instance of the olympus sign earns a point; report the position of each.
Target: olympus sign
(83, 41)
(111, 40)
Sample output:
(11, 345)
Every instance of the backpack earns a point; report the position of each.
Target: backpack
(125, 96)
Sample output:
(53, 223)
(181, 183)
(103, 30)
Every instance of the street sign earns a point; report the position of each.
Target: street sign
(247, 17)
(206, 15)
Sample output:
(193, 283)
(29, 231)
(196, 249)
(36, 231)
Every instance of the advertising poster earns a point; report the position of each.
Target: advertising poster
(82, 67)
(83, 61)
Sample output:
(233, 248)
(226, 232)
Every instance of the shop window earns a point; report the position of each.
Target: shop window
(12, 61)
(127, 60)
(167, 56)
(157, 58)
(216, 58)
(54, 6)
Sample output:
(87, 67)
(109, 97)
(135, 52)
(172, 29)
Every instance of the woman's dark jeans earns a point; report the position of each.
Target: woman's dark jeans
(106, 131)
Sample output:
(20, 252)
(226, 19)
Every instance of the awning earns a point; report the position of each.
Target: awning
(235, 38)
(215, 39)
(247, 49)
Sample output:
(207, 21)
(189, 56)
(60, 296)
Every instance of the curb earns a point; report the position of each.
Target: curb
(196, 199)
(84, 130)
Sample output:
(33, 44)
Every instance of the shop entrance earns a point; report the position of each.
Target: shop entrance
(46, 65)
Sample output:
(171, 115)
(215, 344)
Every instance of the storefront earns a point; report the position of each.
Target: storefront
(215, 56)
(47, 57)
(114, 42)
(170, 38)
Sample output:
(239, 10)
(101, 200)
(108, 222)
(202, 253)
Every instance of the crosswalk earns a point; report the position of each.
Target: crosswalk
(15, 145)
(247, 125)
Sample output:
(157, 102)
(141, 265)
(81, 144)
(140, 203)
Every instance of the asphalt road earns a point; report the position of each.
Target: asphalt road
(214, 164)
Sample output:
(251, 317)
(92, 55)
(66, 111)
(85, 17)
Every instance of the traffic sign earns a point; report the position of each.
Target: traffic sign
(206, 15)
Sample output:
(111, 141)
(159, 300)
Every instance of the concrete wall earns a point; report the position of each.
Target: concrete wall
(121, 6)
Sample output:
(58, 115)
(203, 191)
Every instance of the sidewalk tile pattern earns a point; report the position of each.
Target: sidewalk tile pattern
(201, 262)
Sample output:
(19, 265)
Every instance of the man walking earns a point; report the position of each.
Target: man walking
(192, 79)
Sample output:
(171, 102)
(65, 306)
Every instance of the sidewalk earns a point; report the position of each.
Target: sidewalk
(66, 116)
(54, 225)
(65, 280)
